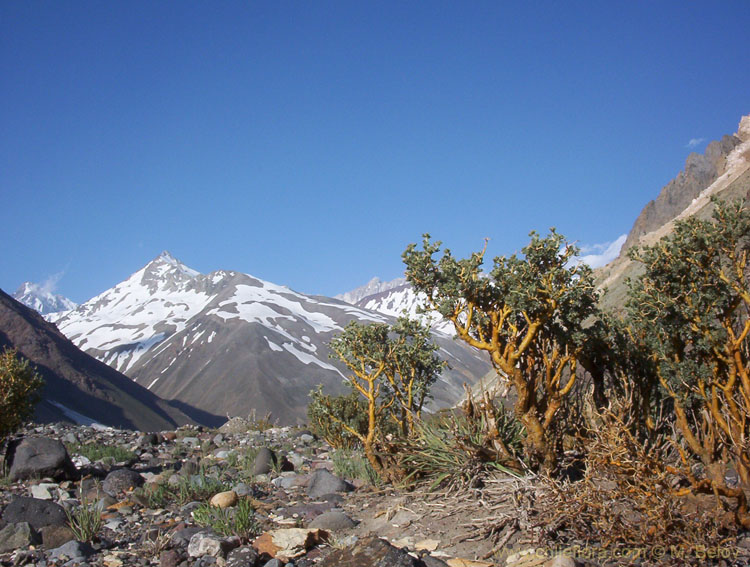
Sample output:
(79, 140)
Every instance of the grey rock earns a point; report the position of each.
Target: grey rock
(274, 563)
(370, 552)
(264, 461)
(121, 480)
(18, 536)
(38, 513)
(244, 556)
(181, 538)
(44, 491)
(72, 550)
(242, 489)
(334, 520)
(306, 438)
(207, 543)
(323, 482)
(39, 457)
(70, 438)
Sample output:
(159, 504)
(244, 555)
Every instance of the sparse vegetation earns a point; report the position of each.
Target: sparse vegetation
(95, 452)
(85, 520)
(236, 521)
(20, 387)
(353, 464)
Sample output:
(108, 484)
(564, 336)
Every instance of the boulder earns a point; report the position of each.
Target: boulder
(72, 550)
(55, 536)
(39, 457)
(264, 461)
(121, 480)
(334, 520)
(18, 536)
(208, 543)
(38, 513)
(289, 543)
(244, 556)
(370, 552)
(323, 483)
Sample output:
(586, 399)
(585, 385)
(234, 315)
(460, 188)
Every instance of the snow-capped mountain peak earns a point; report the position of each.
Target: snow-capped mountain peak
(374, 286)
(40, 298)
(395, 298)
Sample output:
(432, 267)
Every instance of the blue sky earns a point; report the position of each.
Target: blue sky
(307, 143)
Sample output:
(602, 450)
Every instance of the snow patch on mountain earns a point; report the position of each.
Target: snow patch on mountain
(374, 286)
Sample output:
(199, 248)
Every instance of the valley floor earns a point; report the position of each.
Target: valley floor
(501, 522)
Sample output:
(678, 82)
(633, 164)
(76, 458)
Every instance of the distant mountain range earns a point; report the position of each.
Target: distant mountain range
(227, 343)
(79, 388)
(39, 298)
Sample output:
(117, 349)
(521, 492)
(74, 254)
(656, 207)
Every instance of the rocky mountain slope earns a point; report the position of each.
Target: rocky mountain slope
(229, 343)
(723, 172)
(41, 299)
(78, 387)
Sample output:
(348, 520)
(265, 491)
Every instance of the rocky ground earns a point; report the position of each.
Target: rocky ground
(275, 502)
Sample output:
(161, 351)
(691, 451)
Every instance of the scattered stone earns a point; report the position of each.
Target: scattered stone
(274, 563)
(289, 543)
(207, 543)
(18, 536)
(121, 480)
(370, 552)
(244, 556)
(264, 461)
(72, 550)
(323, 483)
(38, 513)
(335, 520)
(181, 538)
(44, 490)
(39, 457)
(224, 499)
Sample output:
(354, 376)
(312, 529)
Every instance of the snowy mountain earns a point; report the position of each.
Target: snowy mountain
(41, 299)
(373, 287)
(395, 298)
(227, 342)
(76, 386)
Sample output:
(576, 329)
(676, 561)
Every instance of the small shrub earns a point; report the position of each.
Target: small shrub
(195, 488)
(19, 391)
(353, 464)
(85, 520)
(329, 417)
(237, 521)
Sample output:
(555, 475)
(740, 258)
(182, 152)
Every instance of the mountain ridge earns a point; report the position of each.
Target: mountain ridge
(228, 342)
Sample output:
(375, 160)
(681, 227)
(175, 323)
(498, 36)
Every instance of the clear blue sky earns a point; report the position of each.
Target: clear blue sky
(308, 143)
